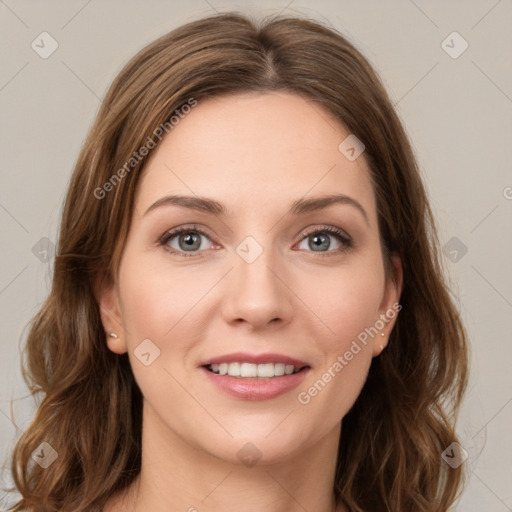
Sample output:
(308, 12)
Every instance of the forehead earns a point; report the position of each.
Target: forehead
(250, 151)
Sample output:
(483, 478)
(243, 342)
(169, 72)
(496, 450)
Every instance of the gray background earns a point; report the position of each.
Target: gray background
(457, 111)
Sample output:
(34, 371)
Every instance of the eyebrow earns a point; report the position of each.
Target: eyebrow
(298, 207)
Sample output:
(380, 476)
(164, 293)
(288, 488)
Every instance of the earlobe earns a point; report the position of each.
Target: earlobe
(380, 343)
(116, 344)
(111, 318)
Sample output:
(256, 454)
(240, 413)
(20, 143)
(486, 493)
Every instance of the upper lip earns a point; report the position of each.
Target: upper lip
(243, 357)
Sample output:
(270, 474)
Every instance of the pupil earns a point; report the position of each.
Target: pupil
(189, 240)
(320, 241)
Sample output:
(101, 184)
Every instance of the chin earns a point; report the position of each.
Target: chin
(261, 445)
(258, 451)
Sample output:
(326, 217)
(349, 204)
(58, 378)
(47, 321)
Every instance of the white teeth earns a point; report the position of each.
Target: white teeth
(248, 370)
(234, 369)
(279, 369)
(265, 370)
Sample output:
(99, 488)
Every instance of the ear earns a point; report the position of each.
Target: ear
(107, 297)
(389, 307)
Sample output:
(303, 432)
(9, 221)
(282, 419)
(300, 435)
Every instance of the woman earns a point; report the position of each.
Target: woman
(248, 309)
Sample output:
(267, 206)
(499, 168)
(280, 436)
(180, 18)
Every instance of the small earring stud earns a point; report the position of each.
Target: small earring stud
(382, 334)
(113, 335)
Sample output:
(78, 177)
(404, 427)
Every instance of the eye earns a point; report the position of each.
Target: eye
(319, 240)
(188, 240)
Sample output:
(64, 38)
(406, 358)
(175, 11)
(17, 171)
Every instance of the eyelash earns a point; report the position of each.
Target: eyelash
(342, 237)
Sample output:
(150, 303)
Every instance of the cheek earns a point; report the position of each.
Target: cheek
(164, 306)
(155, 300)
(336, 382)
(332, 391)
(157, 306)
(346, 301)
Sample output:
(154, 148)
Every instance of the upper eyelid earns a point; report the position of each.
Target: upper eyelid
(331, 230)
(176, 231)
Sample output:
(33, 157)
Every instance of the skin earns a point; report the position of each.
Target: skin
(256, 154)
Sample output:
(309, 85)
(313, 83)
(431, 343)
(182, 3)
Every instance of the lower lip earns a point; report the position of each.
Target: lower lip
(256, 388)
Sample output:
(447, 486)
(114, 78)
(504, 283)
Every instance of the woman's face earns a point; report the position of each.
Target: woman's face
(271, 281)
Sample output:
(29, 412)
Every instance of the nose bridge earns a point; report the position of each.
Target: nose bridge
(256, 267)
(257, 293)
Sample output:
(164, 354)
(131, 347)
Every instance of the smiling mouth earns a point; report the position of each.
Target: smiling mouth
(252, 370)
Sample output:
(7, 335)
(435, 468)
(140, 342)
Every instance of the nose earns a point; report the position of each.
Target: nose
(258, 293)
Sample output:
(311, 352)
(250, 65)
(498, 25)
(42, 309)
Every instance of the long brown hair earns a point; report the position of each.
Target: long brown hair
(390, 449)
